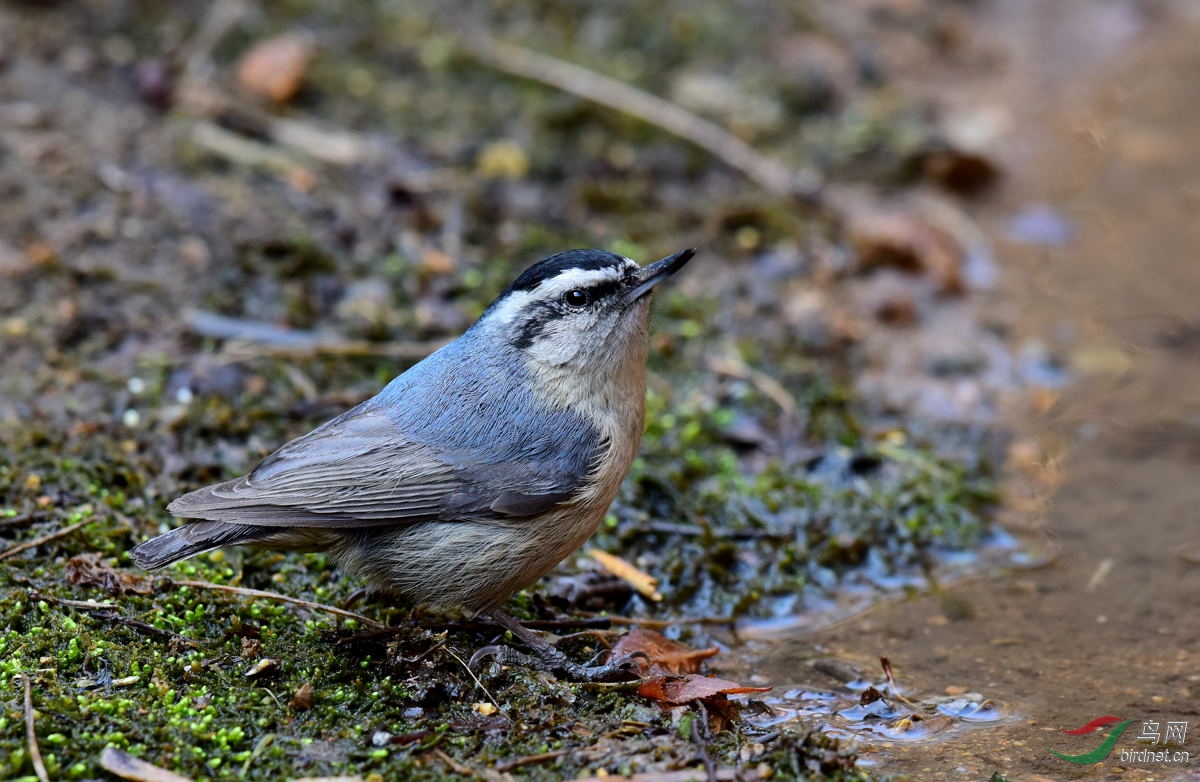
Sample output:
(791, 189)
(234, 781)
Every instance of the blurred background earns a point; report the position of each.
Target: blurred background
(946, 274)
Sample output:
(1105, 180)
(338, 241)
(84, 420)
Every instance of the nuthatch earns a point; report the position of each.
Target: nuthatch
(474, 473)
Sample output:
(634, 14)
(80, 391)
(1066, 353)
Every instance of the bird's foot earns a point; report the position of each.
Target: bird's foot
(551, 660)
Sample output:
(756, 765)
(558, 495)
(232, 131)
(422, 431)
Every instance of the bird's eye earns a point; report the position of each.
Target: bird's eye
(576, 297)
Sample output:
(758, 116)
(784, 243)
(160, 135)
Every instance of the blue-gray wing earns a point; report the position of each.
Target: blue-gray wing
(360, 470)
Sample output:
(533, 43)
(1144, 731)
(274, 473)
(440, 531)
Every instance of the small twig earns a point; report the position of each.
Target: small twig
(454, 765)
(891, 677)
(87, 605)
(530, 760)
(684, 620)
(774, 176)
(701, 738)
(477, 681)
(105, 612)
(35, 754)
(145, 627)
(592, 623)
(120, 763)
(253, 338)
(283, 599)
(62, 533)
(243, 151)
(21, 518)
(631, 686)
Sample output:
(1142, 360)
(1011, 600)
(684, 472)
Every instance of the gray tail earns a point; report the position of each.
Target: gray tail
(191, 539)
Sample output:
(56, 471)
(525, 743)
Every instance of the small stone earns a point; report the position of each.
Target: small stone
(275, 68)
(263, 666)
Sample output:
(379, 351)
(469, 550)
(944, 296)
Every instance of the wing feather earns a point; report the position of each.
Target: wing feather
(360, 470)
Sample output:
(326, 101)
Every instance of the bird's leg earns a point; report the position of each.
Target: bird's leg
(551, 659)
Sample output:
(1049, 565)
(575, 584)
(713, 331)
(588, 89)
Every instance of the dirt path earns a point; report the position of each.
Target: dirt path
(1112, 627)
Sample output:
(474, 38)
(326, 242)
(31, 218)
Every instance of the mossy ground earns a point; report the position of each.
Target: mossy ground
(744, 501)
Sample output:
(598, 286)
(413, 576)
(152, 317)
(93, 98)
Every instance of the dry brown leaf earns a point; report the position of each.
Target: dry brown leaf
(677, 691)
(906, 241)
(664, 656)
(275, 68)
(120, 763)
(91, 570)
(303, 698)
(644, 583)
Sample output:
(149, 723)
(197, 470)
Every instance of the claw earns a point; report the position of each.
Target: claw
(553, 661)
(505, 655)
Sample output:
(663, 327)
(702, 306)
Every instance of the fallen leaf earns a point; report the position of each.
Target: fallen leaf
(644, 583)
(903, 240)
(91, 570)
(664, 656)
(677, 691)
(120, 763)
(303, 698)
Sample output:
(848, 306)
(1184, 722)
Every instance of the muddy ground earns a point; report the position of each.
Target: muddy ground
(1102, 143)
(194, 272)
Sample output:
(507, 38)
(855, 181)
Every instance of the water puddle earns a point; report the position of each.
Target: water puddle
(872, 711)
(1096, 230)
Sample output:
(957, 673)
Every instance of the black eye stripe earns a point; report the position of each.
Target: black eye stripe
(540, 314)
(602, 290)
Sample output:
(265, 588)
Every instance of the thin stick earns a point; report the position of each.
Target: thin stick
(774, 176)
(530, 760)
(891, 677)
(455, 766)
(88, 605)
(248, 338)
(19, 519)
(683, 620)
(283, 599)
(701, 738)
(35, 754)
(477, 681)
(62, 533)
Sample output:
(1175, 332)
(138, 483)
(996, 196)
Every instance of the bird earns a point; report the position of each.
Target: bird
(474, 473)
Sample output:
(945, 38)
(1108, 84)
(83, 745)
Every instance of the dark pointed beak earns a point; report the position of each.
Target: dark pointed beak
(652, 274)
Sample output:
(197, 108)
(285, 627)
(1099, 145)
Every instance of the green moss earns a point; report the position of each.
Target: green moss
(729, 527)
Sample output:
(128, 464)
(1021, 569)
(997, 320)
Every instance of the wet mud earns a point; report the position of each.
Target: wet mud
(1102, 275)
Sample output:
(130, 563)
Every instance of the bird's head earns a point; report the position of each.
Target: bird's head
(586, 309)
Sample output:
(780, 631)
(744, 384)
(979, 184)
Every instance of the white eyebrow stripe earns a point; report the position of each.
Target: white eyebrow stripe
(511, 306)
(576, 278)
(518, 301)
